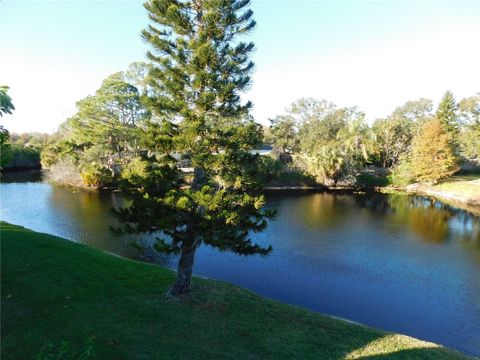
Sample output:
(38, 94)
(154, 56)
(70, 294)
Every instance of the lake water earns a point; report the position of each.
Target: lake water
(405, 264)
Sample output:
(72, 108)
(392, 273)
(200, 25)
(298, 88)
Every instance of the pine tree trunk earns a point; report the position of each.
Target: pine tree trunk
(184, 271)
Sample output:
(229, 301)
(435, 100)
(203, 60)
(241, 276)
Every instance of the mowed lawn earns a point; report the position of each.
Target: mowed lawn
(62, 300)
(465, 186)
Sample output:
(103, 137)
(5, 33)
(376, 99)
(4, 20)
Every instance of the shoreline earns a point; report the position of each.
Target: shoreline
(450, 197)
(453, 197)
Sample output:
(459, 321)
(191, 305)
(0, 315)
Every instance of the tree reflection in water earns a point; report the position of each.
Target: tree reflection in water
(432, 220)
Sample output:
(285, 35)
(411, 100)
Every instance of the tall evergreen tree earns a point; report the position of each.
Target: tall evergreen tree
(200, 68)
(447, 113)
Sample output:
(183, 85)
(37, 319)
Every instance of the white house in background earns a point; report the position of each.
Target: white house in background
(184, 165)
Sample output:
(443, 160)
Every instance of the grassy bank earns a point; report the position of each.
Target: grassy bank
(59, 297)
(462, 191)
(464, 188)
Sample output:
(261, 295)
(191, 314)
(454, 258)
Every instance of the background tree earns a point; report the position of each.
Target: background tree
(394, 138)
(469, 118)
(103, 135)
(395, 133)
(200, 68)
(447, 114)
(24, 150)
(283, 133)
(335, 143)
(432, 155)
(324, 127)
(306, 110)
(6, 107)
(469, 110)
(417, 111)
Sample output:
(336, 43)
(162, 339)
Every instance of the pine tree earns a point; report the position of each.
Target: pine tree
(447, 113)
(432, 155)
(200, 69)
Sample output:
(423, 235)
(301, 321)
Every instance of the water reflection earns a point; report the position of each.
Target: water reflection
(21, 176)
(322, 211)
(430, 219)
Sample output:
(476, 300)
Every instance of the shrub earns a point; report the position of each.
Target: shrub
(402, 174)
(65, 172)
(96, 175)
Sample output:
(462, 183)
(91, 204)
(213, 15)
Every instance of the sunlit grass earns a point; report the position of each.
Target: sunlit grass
(463, 185)
(393, 346)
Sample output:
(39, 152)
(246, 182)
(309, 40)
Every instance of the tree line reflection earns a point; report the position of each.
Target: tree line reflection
(430, 220)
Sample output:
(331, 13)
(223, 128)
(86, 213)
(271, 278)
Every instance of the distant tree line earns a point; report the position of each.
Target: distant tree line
(101, 145)
(414, 143)
(23, 151)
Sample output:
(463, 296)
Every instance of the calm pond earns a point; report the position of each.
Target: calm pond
(401, 263)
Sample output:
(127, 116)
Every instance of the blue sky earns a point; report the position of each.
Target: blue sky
(375, 55)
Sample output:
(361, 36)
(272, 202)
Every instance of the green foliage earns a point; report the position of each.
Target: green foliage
(294, 178)
(18, 156)
(469, 110)
(470, 142)
(394, 138)
(307, 110)
(333, 143)
(395, 133)
(325, 125)
(200, 67)
(402, 174)
(469, 136)
(342, 149)
(284, 133)
(4, 137)
(66, 351)
(5, 151)
(432, 155)
(6, 105)
(372, 180)
(23, 150)
(271, 168)
(96, 174)
(325, 163)
(104, 133)
(447, 113)
(135, 171)
(57, 151)
(417, 111)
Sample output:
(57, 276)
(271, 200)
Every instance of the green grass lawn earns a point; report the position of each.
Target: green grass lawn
(467, 186)
(61, 300)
